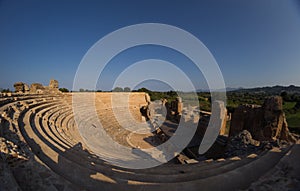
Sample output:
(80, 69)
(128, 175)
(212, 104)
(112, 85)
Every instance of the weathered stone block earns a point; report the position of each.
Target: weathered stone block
(265, 123)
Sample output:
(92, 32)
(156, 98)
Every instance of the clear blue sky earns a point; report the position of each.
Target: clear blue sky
(256, 43)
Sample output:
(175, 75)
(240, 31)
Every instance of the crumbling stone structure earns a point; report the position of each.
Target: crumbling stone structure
(219, 120)
(174, 109)
(265, 123)
(220, 109)
(19, 87)
(37, 88)
(53, 84)
(177, 106)
(26, 88)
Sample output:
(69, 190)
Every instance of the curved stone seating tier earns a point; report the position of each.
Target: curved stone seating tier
(26, 99)
(59, 131)
(90, 119)
(178, 168)
(111, 125)
(48, 126)
(51, 139)
(72, 127)
(50, 155)
(108, 121)
(70, 130)
(44, 124)
(35, 123)
(67, 130)
(7, 100)
(11, 110)
(35, 138)
(156, 179)
(54, 125)
(60, 117)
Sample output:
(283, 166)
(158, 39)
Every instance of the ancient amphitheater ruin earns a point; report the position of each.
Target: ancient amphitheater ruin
(42, 148)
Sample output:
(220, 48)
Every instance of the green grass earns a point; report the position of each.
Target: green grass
(231, 103)
(288, 105)
(293, 120)
(292, 116)
(205, 105)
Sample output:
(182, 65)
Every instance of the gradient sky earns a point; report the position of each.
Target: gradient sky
(255, 43)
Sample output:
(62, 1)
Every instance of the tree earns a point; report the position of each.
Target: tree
(127, 89)
(172, 94)
(143, 90)
(63, 90)
(284, 96)
(81, 90)
(5, 90)
(297, 106)
(117, 89)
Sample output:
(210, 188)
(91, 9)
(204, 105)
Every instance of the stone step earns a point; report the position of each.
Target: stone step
(48, 126)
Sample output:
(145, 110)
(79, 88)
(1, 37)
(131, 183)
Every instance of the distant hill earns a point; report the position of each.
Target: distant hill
(228, 89)
(267, 89)
(233, 89)
(271, 90)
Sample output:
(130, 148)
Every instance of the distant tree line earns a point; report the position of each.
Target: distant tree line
(119, 89)
(291, 97)
(116, 89)
(4, 90)
(155, 95)
(63, 90)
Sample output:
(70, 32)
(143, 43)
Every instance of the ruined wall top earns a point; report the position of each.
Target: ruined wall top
(53, 84)
(265, 123)
(273, 103)
(37, 88)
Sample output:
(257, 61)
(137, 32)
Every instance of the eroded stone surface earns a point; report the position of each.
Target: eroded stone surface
(242, 144)
(37, 88)
(53, 84)
(265, 123)
(19, 87)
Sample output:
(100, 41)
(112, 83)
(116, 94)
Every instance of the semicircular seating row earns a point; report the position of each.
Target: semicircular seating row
(47, 125)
